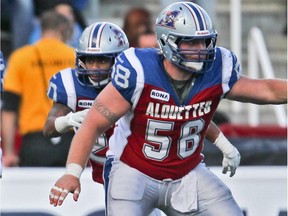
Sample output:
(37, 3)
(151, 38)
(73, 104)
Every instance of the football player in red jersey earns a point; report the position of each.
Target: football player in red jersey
(163, 102)
(73, 92)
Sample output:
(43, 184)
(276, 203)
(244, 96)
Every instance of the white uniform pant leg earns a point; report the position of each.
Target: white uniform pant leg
(214, 197)
(133, 193)
(129, 192)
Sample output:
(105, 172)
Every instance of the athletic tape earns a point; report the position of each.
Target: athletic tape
(65, 191)
(74, 169)
(57, 189)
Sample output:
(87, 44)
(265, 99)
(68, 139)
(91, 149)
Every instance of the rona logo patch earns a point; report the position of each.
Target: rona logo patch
(85, 103)
(160, 95)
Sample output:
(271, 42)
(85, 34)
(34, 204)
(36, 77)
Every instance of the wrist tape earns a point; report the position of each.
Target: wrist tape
(223, 144)
(61, 124)
(74, 169)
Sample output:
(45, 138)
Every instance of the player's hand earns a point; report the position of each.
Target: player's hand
(72, 119)
(75, 119)
(66, 184)
(231, 162)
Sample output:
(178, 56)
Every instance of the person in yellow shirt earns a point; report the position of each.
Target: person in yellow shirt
(25, 105)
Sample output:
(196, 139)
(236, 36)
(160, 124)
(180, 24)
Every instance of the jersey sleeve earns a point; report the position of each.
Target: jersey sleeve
(56, 89)
(126, 74)
(231, 70)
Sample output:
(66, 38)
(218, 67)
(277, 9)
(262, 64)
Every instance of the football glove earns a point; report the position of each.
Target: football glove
(72, 119)
(231, 156)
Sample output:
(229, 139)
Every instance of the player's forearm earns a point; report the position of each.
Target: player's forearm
(212, 132)
(84, 139)
(49, 128)
(279, 89)
(270, 92)
(81, 148)
(215, 136)
(57, 121)
(259, 91)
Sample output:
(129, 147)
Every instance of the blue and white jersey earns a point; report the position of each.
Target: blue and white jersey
(160, 136)
(65, 89)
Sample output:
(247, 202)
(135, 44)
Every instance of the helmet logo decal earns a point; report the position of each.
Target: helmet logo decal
(119, 37)
(168, 19)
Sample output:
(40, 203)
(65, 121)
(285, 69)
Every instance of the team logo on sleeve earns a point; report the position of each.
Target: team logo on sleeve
(168, 19)
(160, 95)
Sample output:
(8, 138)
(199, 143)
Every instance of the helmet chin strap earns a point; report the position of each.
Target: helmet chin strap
(194, 65)
(93, 82)
(102, 82)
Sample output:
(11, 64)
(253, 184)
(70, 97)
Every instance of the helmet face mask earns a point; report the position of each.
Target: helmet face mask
(101, 43)
(202, 58)
(186, 22)
(95, 77)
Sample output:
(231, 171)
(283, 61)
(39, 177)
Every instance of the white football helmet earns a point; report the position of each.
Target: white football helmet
(186, 21)
(101, 39)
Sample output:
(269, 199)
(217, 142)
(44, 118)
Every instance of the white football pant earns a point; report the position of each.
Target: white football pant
(201, 193)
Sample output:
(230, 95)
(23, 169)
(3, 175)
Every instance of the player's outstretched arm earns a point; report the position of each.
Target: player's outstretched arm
(231, 156)
(259, 91)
